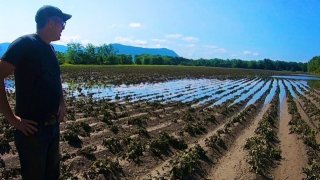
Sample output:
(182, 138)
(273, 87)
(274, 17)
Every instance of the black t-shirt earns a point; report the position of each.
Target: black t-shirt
(37, 77)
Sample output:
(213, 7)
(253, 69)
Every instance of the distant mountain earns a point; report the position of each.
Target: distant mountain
(121, 49)
(60, 48)
(3, 48)
(132, 50)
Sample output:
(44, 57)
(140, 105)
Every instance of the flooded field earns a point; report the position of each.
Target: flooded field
(183, 123)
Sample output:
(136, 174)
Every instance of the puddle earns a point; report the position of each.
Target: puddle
(289, 86)
(197, 91)
(247, 86)
(282, 93)
(259, 94)
(299, 77)
(252, 91)
(272, 92)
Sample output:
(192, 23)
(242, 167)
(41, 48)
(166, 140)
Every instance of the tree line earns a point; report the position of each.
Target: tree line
(314, 65)
(107, 55)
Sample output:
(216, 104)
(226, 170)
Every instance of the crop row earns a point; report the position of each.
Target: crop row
(300, 127)
(262, 148)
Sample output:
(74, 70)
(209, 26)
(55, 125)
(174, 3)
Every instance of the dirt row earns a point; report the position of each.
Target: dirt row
(145, 140)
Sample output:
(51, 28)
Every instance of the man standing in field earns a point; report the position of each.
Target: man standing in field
(40, 103)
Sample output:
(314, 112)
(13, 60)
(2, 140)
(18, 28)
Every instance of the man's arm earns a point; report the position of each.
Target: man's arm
(26, 126)
(62, 106)
(6, 69)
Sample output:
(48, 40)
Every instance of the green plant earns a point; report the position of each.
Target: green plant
(88, 152)
(187, 164)
(108, 168)
(312, 171)
(135, 150)
(113, 144)
(71, 136)
(215, 142)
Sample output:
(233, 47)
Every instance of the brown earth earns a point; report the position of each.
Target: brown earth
(294, 156)
(233, 164)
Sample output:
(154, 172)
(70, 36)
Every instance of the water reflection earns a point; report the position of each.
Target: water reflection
(259, 93)
(282, 94)
(299, 77)
(272, 92)
(198, 91)
(289, 86)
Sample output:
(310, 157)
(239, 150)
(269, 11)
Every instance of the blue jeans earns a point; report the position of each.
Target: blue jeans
(39, 153)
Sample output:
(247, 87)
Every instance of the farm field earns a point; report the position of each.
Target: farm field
(167, 122)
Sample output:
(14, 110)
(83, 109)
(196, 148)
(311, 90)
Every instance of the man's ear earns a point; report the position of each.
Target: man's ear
(50, 23)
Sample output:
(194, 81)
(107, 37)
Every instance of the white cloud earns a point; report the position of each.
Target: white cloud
(191, 45)
(220, 50)
(159, 40)
(174, 36)
(190, 39)
(214, 49)
(65, 39)
(250, 53)
(247, 52)
(131, 41)
(158, 46)
(255, 54)
(135, 25)
(210, 46)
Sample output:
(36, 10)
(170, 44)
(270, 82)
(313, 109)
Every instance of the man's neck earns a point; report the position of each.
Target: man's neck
(43, 36)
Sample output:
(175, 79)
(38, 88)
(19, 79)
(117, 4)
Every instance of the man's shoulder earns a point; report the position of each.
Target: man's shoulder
(25, 38)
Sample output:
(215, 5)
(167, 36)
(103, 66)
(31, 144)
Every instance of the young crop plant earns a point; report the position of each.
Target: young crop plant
(162, 144)
(187, 164)
(114, 128)
(83, 129)
(137, 121)
(214, 142)
(108, 168)
(135, 151)
(261, 154)
(107, 118)
(210, 119)
(262, 151)
(4, 145)
(88, 152)
(66, 173)
(2, 163)
(113, 144)
(143, 132)
(71, 114)
(312, 171)
(159, 146)
(300, 127)
(71, 136)
(65, 156)
(194, 128)
(8, 133)
(11, 173)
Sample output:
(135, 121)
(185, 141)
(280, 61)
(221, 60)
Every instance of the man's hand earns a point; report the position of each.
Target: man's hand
(62, 111)
(24, 125)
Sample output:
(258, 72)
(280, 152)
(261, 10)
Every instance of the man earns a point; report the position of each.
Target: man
(39, 104)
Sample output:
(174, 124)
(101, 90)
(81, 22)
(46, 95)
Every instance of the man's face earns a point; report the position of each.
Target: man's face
(57, 25)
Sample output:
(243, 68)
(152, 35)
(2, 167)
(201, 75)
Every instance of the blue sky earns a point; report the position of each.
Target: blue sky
(245, 29)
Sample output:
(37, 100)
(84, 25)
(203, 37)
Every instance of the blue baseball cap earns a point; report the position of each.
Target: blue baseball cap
(47, 11)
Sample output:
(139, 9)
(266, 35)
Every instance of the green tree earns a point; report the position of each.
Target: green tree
(104, 52)
(314, 65)
(61, 57)
(90, 54)
(75, 53)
